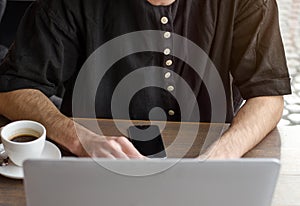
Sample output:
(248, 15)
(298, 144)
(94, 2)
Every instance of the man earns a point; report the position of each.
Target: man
(241, 37)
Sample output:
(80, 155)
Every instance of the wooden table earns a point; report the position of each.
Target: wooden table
(283, 143)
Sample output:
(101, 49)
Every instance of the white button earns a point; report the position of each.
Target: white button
(170, 88)
(167, 75)
(169, 63)
(167, 35)
(167, 51)
(171, 113)
(164, 20)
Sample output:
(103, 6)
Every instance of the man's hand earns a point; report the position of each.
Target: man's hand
(108, 147)
(214, 152)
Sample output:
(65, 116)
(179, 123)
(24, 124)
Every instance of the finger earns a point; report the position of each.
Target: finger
(103, 154)
(104, 151)
(129, 149)
(113, 144)
(119, 155)
(203, 157)
(116, 150)
(109, 156)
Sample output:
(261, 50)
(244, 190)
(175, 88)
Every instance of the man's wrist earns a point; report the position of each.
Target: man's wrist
(223, 149)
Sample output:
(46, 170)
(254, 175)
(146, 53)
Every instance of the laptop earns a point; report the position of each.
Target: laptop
(157, 182)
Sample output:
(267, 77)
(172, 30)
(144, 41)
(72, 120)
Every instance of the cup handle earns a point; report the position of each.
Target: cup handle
(0, 134)
(2, 151)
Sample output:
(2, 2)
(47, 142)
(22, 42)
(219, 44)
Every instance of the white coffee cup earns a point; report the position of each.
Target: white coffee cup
(23, 140)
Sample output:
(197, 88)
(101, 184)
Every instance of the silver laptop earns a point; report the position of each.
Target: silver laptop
(168, 182)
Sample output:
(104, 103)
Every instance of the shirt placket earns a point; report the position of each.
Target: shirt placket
(168, 63)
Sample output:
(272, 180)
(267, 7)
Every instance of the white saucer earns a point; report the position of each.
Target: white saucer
(13, 171)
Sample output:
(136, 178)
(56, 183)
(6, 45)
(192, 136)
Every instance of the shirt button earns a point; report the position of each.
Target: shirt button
(169, 63)
(167, 35)
(171, 112)
(170, 88)
(164, 20)
(167, 51)
(167, 75)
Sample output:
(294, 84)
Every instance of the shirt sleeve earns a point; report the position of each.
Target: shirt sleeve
(36, 58)
(258, 62)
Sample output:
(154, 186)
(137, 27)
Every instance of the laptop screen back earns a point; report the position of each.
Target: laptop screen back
(78, 182)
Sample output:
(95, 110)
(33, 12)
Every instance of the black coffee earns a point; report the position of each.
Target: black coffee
(24, 138)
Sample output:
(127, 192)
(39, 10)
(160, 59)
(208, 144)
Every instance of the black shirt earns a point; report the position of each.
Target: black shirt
(241, 37)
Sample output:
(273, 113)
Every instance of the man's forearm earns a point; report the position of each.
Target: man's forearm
(252, 123)
(34, 105)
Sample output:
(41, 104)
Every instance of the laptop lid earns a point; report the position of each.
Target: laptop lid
(174, 182)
